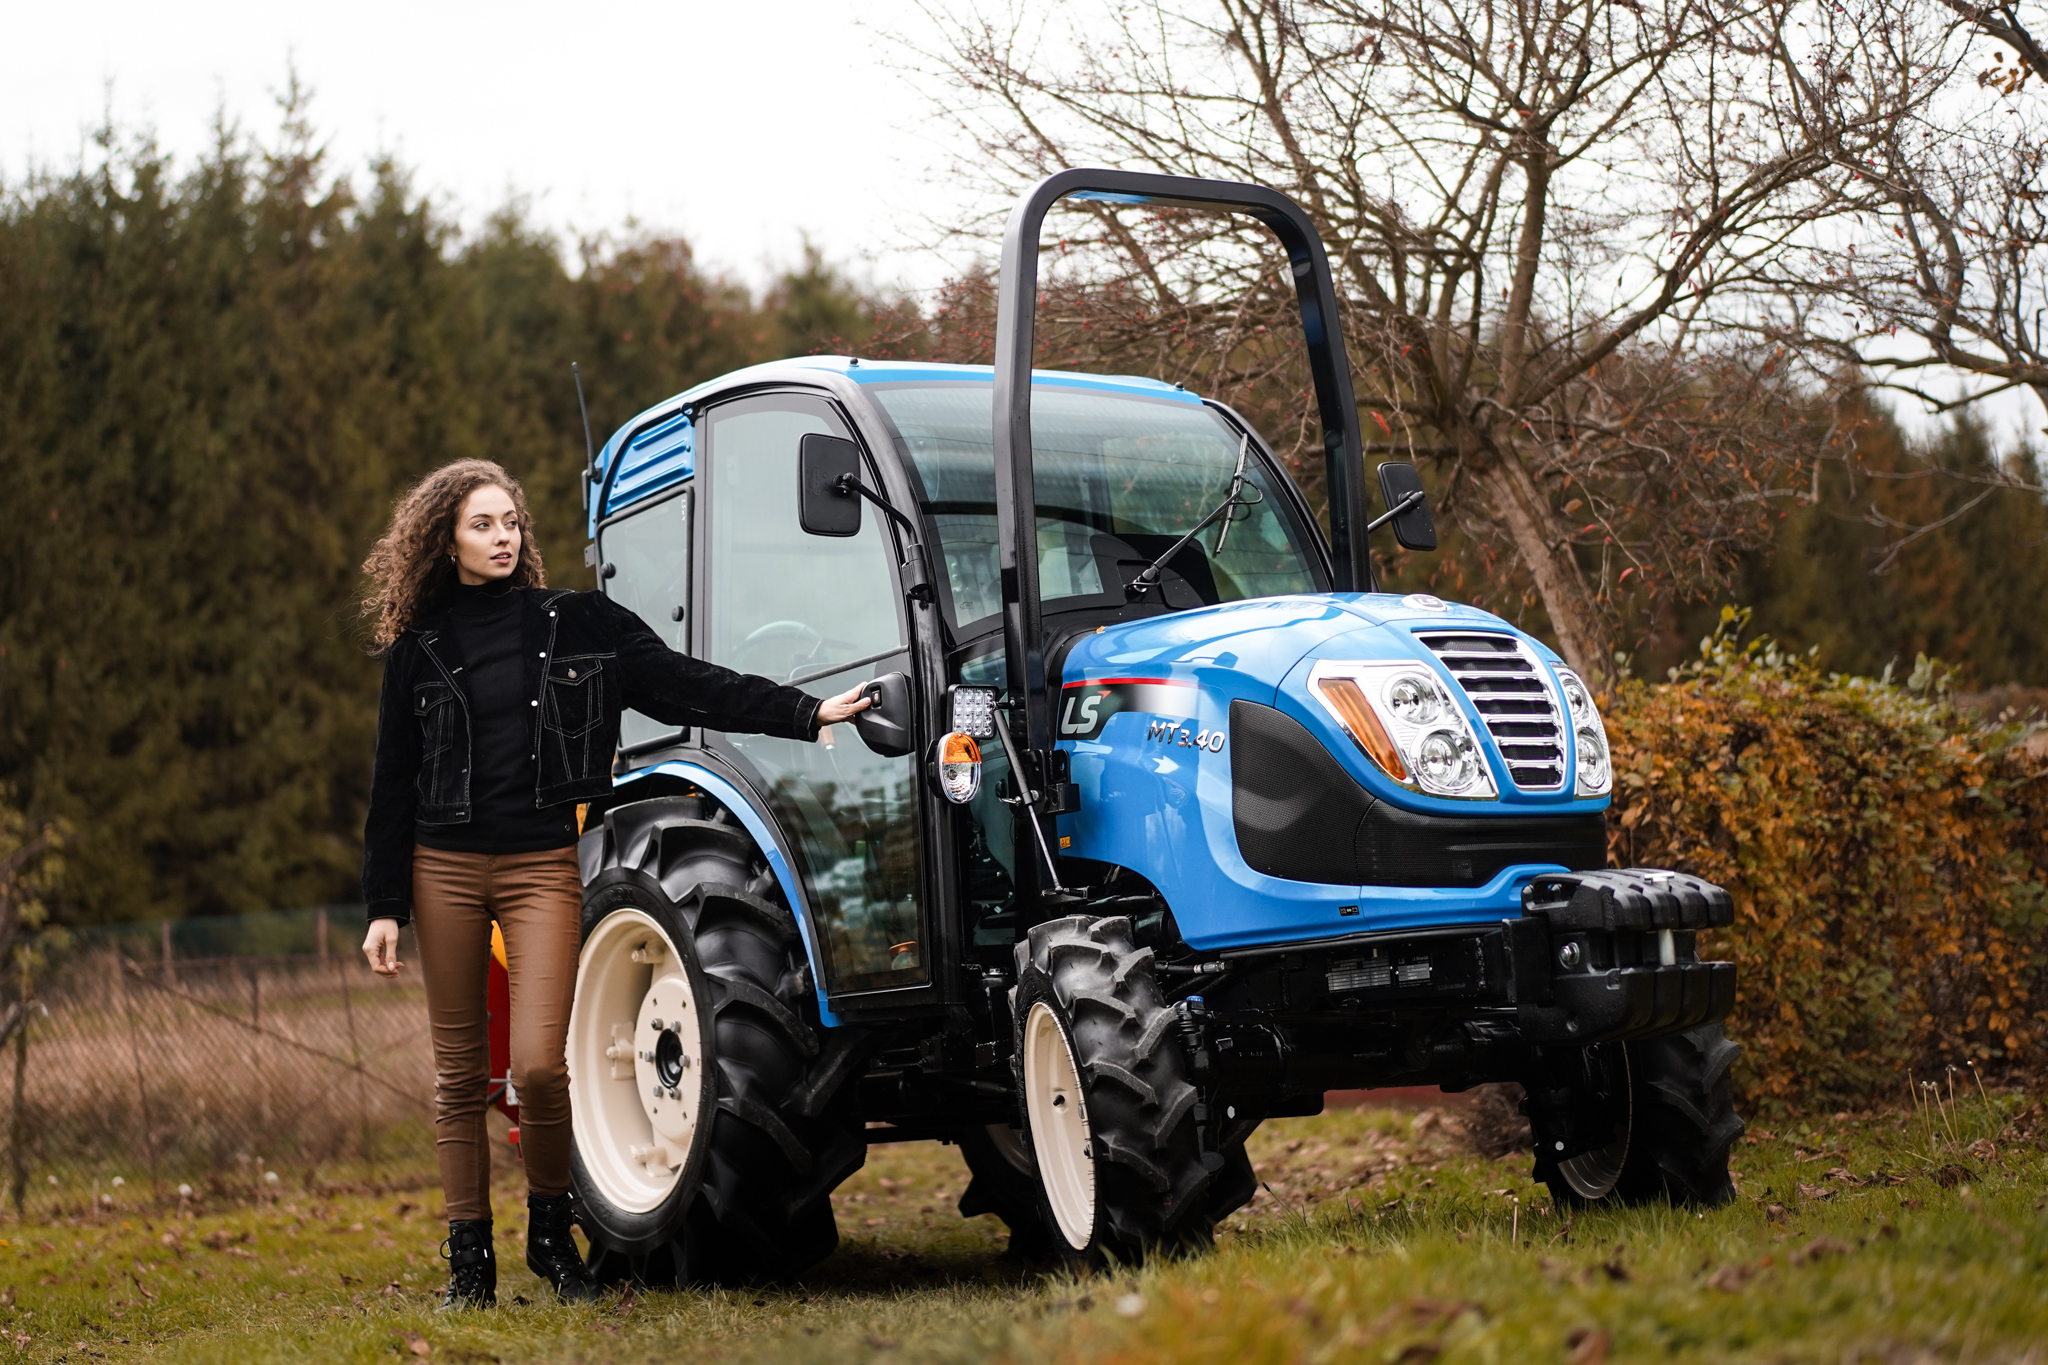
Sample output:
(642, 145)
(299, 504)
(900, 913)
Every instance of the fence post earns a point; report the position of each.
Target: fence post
(164, 929)
(320, 933)
(355, 1053)
(135, 1051)
(17, 1136)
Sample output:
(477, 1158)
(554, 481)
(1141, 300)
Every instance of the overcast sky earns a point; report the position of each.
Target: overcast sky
(743, 126)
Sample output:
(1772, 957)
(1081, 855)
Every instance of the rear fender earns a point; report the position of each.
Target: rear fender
(765, 838)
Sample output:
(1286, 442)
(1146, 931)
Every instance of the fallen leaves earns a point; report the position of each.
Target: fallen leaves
(1819, 1249)
(1588, 1345)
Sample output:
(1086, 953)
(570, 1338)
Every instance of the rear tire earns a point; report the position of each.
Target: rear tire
(1107, 1095)
(754, 1201)
(1674, 1140)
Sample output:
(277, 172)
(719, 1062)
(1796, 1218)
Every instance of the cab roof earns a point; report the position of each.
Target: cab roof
(658, 448)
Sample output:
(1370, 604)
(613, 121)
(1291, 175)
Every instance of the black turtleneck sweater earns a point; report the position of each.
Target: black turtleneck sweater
(504, 777)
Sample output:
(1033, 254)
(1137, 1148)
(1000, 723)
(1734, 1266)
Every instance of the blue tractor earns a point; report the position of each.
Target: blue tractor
(1164, 823)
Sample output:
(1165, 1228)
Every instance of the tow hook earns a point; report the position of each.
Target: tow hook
(1194, 1016)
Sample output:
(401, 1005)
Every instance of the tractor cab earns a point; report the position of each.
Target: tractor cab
(1164, 821)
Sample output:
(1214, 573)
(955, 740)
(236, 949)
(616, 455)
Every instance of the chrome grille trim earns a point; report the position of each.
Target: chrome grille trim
(1513, 694)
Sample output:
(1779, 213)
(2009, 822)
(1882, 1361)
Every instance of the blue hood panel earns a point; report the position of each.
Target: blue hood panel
(1144, 711)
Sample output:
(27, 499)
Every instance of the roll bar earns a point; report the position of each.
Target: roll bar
(1016, 326)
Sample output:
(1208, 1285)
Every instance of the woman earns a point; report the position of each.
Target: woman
(500, 712)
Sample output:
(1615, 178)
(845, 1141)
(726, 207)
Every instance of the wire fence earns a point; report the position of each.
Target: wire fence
(202, 1061)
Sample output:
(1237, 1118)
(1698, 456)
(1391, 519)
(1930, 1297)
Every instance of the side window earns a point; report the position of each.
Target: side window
(785, 604)
(650, 553)
(822, 613)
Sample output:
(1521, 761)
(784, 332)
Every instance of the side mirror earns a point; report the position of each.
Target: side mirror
(1412, 527)
(885, 726)
(822, 509)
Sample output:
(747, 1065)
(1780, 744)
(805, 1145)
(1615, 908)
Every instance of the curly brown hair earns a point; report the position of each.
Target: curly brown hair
(411, 566)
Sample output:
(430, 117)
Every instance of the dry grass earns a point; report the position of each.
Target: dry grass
(217, 1078)
(1380, 1236)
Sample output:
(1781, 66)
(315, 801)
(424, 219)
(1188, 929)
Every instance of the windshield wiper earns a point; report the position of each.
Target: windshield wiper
(1233, 500)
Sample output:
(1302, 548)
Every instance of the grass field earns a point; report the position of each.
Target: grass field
(1890, 1237)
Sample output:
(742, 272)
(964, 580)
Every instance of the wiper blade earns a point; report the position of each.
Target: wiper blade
(1149, 579)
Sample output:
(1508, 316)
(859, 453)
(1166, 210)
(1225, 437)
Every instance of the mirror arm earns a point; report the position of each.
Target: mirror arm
(918, 587)
(1396, 510)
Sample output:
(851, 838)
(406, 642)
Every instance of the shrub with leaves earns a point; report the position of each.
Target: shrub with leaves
(1886, 850)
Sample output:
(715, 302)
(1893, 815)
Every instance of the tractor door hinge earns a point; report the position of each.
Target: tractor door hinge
(917, 582)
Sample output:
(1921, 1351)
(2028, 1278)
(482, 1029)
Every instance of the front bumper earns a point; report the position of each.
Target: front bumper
(1599, 956)
(1594, 957)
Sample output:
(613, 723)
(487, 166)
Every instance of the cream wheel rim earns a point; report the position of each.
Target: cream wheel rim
(1059, 1125)
(636, 1061)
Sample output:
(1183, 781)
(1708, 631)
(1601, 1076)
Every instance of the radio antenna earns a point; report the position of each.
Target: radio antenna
(589, 446)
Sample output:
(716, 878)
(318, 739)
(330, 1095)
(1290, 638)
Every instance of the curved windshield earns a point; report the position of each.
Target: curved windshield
(1120, 479)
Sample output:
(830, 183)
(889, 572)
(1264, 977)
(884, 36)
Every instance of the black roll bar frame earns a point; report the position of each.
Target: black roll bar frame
(1016, 333)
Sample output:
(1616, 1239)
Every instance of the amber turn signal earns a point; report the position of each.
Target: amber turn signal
(958, 762)
(1348, 701)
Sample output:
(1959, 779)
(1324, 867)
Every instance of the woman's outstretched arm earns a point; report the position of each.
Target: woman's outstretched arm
(678, 690)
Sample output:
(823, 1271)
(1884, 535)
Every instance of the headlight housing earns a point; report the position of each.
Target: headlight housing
(1406, 721)
(1593, 763)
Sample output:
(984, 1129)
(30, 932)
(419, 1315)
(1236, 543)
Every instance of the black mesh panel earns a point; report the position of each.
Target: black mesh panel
(1297, 812)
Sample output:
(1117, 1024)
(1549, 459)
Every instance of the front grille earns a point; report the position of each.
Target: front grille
(1515, 700)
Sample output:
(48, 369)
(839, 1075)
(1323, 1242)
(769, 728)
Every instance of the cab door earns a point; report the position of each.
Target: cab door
(822, 614)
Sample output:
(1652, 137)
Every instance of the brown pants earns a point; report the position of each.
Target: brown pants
(537, 900)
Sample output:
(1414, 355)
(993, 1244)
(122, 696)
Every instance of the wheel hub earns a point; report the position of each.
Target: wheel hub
(668, 1059)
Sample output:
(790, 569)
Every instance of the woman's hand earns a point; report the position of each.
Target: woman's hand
(845, 706)
(380, 945)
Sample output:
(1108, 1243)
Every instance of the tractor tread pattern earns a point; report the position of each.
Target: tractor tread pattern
(1684, 1120)
(746, 995)
(763, 1210)
(1151, 1188)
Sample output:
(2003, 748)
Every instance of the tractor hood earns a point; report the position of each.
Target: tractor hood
(1155, 714)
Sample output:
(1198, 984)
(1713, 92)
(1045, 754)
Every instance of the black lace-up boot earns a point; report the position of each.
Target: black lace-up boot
(472, 1268)
(551, 1251)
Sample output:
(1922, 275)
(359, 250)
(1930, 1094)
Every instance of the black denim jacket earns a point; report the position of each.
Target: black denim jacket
(587, 660)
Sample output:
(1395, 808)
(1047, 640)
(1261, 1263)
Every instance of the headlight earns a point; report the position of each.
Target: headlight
(1592, 757)
(1415, 701)
(1576, 698)
(1449, 762)
(1595, 768)
(1406, 723)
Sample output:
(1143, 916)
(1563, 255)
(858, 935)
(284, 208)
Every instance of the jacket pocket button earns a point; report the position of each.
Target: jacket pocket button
(572, 672)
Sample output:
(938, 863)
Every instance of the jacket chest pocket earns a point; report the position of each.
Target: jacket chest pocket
(574, 691)
(433, 705)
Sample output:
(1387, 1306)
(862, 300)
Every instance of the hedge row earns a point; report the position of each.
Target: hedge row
(1888, 853)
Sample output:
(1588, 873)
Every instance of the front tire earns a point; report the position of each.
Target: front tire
(1108, 1098)
(1673, 1133)
(772, 1137)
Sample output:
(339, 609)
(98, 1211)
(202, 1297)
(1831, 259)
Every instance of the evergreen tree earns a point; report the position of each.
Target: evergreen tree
(216, 385)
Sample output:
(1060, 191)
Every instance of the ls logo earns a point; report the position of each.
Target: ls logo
(1084, 721)
(1085, 707)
